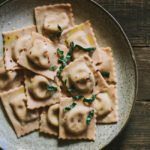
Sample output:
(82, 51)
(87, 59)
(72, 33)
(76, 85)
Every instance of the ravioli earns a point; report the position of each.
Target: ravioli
(82, 35)
(14, 43)
(82, 75)
(58, 80)
(49, 122)
(24, 121)
(105, 64)
(40, 57)
(37, 92)
(73, 123)
(49, 17)
(9, 79)
(106, 106)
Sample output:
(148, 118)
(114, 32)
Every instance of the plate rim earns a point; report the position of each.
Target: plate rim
(135, 69)
(133, 60)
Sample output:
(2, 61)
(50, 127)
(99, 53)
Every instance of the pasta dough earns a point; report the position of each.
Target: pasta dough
(9, 79)
(40, 57)
(52, 115)
(75, 120)
(73, 123)
(49, 17)
(23, 120)
(37, 93)
(82, 35)
(82, 75)
(14, 43)
(106, 106)
(50, 120)
(105, 64)
(37, 87)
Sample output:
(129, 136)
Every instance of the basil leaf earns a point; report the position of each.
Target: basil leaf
(77, 97)
(53, 68)
(70, 107)
(51, 88)
(62, 61)
(89, 101)
(61, 53)
(59, 71)
(105, 74)
(90, 49)
(72, 45)
(58, 34)
(89, 117)
(65, 60)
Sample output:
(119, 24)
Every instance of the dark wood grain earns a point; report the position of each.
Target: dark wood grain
(136, 135)
(134, 17)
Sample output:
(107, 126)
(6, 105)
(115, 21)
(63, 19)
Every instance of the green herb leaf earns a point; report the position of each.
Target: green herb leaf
(58, 34)
(105, 74)
(59, 71)
(89, 117)
(53, 68)
(70, 107)
(89, 101)
(62, 61)
(77, 97)
(65, 60)
(51, 88)
(70, 89)
(72, 46)
(90, 49)
(61, 53)
(64, 82)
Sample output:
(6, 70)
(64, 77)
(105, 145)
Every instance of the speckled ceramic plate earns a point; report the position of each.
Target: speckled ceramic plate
(19, 13)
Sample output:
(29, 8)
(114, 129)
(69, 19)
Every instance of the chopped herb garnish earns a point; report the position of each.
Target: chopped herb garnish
(70, 89)
(90, 49)
(89, 101)
(61, 53)
(59, 71)
(64, 61)
(105, 74)
(64, 82)
(70, 107)
(58, 34)
(77, 97)
(89, 117)
(53, 68)
(51, 88)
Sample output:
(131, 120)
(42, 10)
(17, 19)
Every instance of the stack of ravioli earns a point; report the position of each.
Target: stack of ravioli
(55, 78)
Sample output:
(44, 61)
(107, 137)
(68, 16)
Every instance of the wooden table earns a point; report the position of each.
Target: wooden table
(134, 17)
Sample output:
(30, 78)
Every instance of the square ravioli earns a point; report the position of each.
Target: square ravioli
(49, 121)
(49, 17)
(76, 120)
(23, 120)
(40, 91)
(82, 77)
(83, 36)
(106, 105)
(40, 57)
(9, 79)
(106, 65)
(14, 43)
